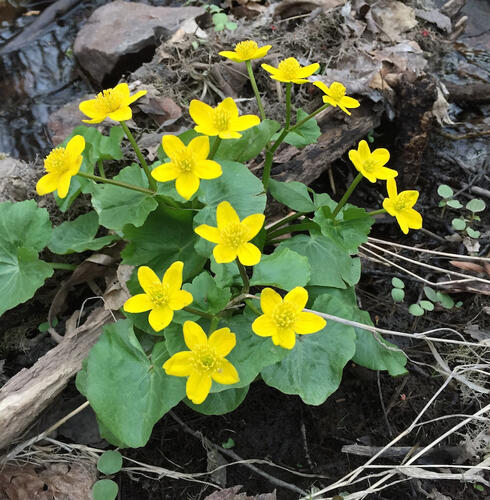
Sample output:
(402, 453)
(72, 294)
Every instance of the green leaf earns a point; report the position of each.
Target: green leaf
(444, 191)
(229, 443)
(454, 204)
(239, 187)
(313, 368)
(110, 462)
(105, 489)
(79, 235)
(128, 392)
(308, 133)
(292, 194)
(250, 144)
(25, 230)
(445, 300)
(430, 294)
(219, 403)
(350, 228)
(472, 233)
(427, 305)
(226, 274)
(118, 206)
(331, 265)
(166, 236)
(458, 224)
(476, 205)
(415, 310)
(284, 269)
(397, 283)
(398, 294)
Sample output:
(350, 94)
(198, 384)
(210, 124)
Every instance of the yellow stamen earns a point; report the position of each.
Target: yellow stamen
(56, 162)
(233, 235)
(110, 100)
(205, 359)
(337, 91)
(289, 67)
(246, 49)
(284, 315)
(159, 295)
(221, 119)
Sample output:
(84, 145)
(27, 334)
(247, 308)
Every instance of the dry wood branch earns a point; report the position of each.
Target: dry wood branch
(29, 392)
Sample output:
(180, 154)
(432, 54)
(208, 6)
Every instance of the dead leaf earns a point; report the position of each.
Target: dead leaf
(162, 109)
(393, 18)
(292, 8)
(117, 292)
(468, 266)
(440, 108)
(434, 16)
(477, 333)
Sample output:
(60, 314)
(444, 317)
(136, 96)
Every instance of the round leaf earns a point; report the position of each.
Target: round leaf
(219, 403)
(476, 205)
(398, 294)
(427, 305)
(397, 283)
(458, 224)
(454, 204)
(472, 233)
(105, 489)
(431, 294)
(444, 191)
(110, 462)
(415, 310)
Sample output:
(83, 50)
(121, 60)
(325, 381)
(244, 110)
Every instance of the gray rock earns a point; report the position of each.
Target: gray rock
(18, 179)
(62, 122)
(121, 29)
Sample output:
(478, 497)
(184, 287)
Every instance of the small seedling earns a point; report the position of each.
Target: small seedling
(229, 443)
(110, 462)
(397, 293)
(220, 19)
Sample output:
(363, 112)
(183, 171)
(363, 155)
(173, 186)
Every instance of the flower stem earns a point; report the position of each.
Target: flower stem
(151, 181)
(199, 313)
(243, 274)
(214, 323)
(304, 226)
(100, 165)
(309, 117)
(376, 212)
(285, 221)
(62, 265)
(255, 89)
(347, 194)
(97, 178)
(215, 147)
(288, 105)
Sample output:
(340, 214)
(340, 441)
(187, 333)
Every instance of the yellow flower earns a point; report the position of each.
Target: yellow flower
(290, 71)
(204, 362)
(187, 164)
(111, 103)
(223, 120)
(232, 236)
(400, 206)
(284, 318)
(161, 297)
(335, 96)
(61, 165)
(246, 51)
(371, 165)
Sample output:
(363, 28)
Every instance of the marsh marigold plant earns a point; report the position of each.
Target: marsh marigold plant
(372, 164)
(291, 71)
(335, 96)
(246, 51)
(400, 205)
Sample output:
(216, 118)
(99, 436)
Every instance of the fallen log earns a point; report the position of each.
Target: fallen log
(31, 390)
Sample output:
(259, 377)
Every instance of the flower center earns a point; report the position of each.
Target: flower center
(109, 100)
(284, 315)
(205, 359)
(221, 119)
(337, 91)
(246, 50)
(289, 68)
(56, 162)
(233, 235)
(185, 162)
(370, 165)
(401, 202)
(159, 295)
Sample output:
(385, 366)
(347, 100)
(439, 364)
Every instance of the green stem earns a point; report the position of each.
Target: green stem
(214, 323)
(304, 226)
(215, 147)
(347, 194)
(255, 89)
(288, 105)
(285, 221)
(199, 313)
(309, 117)
(243, 274)
(97, 178)
(151, 181)
(100, 164)
(62, 265)
(376, 212)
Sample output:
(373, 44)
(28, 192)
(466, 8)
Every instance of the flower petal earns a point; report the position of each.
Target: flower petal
(264, 326)
(173, 276)
(200, 112)
(364, 151)
(381, 156)
(199, 147)
(355, 158)
(187, 184)
(307, 322)
(391, 188)
(409, 197)
(389, 207)
(207, 169)
(172, 146)
(223, 341)
(47, 184)
(409, 219)
(321, 86)
(209, 233)
(230, 55)
(180, 364)
(194, 335)
(166, 172)
(207, 129)
(91, 108)
(248, 254)
(122, 89)
(270, 69)
(253, 224)
(198, 387)
(226, 374)
(224, 254)
(349, 102)
(298, 297)
(138, 303)
(160, 318)
(225, 215)
(244, 122)
(180, 299)
(96, 119)
(307, 70)
(64, 184)
(285, 338)
(228, 134)
(229, 106)
(262, 51)
(269, 300)
(136, 96)
(122, 114)
(75, 146)
(385, 173)
(148, 279)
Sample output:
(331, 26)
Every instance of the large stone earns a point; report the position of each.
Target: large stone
(119, 30)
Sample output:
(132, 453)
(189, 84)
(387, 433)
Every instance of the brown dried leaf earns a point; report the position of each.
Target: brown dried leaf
(468, 266)
(117, 292)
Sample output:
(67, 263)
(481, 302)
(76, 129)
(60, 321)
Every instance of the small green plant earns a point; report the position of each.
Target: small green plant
(229, 443)
(220, 19)
(109, 463)
(398, 292)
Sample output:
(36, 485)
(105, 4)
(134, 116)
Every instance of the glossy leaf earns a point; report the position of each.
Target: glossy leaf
(292, 194)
